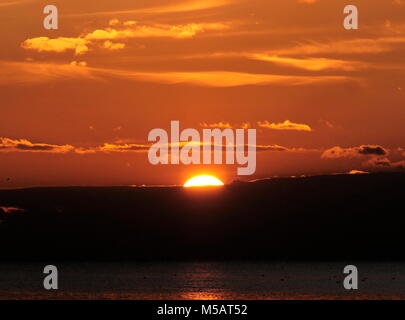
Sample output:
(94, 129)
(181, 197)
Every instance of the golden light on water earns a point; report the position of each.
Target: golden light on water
(203, 181)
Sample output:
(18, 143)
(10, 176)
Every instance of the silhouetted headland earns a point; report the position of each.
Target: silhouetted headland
(314, 218)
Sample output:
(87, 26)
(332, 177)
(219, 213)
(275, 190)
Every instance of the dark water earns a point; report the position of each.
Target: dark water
(202, 280)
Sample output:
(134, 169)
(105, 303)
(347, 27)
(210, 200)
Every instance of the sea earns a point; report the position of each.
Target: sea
(202, 280)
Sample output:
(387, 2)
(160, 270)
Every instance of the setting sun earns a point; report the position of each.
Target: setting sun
(203, 181)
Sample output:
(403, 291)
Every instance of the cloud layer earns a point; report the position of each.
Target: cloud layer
(23, 72)
(24, 145)
(353, 152)
(19, 145)
(121, 31)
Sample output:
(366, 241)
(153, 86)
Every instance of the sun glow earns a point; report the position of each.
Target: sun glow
(203, 181)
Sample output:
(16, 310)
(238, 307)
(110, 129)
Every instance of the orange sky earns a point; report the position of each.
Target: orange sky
(75, 102)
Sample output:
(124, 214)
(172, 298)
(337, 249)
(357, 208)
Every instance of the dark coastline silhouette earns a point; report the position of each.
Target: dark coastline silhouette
(334, 217)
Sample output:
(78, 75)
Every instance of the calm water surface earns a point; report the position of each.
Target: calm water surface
(202, 280)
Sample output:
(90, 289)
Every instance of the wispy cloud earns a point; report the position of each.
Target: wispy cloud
(307, 1)
(312, 64)
(127, 147)
(31, 72)
(286, 125)
(224, 78)
(354, 46)
(25, 145)
(9, 145)
(13, 3)
(154, 31)
(216, 125)
(126, 30)
(25, 72)
(183, 6)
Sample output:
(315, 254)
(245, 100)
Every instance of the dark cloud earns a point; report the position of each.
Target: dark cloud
(353, 152)
(34, 147)
(372, 150)
(384, 164)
